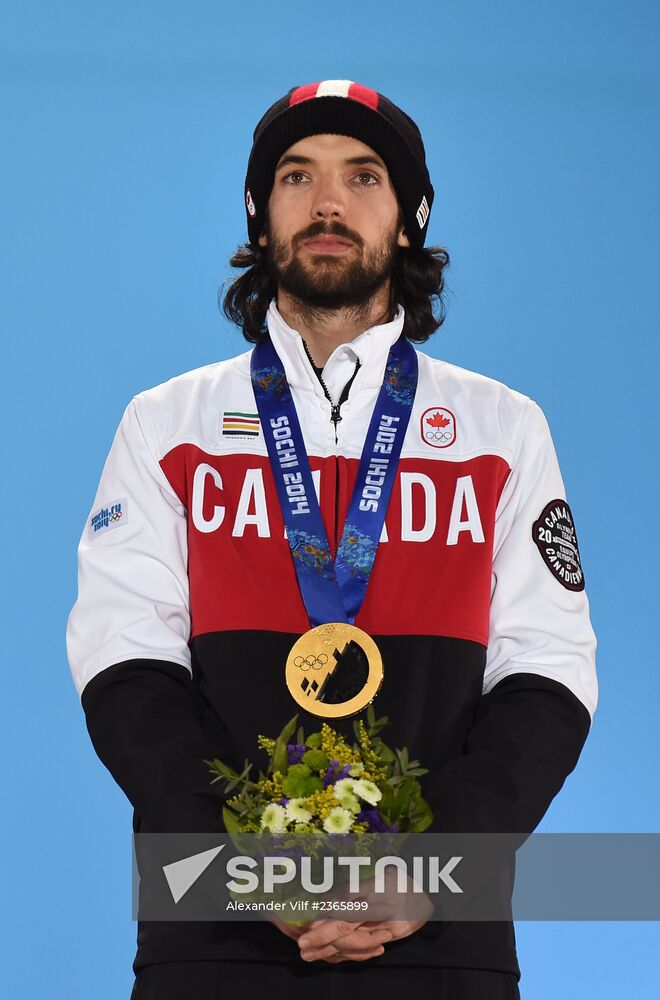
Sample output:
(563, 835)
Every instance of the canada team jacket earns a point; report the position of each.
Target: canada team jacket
(188, 606)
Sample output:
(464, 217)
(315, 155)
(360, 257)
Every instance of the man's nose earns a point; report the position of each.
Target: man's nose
(328, 202)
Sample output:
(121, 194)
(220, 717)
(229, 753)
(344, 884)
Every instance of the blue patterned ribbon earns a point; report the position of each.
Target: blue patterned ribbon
(333, 590)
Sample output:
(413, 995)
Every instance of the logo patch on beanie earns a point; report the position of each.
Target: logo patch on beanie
(423, 212)
(250, 204)
(335, 88)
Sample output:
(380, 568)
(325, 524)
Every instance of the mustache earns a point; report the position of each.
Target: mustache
(326, 229)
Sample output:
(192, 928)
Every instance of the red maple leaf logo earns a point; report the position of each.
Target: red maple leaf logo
(437, 420)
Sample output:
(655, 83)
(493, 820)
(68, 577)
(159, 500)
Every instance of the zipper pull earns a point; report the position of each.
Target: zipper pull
(335, 415)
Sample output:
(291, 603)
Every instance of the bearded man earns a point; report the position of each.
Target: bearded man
(190, 601)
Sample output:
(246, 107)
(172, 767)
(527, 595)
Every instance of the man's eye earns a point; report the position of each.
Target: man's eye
(367, 179)
(295, 177)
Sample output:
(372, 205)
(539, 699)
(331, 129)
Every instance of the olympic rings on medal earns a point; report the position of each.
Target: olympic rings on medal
(315, 662)
(317, 650)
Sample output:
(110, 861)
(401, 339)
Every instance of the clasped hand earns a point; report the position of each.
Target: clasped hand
(337, 941)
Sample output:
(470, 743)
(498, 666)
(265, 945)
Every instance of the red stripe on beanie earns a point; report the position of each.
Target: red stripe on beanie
(304, 93)
(364, 95)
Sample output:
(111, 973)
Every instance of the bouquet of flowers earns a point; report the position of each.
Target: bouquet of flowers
(321, 783)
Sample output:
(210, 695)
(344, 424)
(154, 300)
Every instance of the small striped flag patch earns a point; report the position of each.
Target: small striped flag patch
(237, 424)
(423, 212)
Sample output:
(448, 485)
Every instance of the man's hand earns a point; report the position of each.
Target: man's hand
(291, 930)
(396, 928)
(333, 941)
(393, 914)
(342, 940)
(350, 944)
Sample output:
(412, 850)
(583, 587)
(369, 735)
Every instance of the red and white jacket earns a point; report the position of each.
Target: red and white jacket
(188, 605)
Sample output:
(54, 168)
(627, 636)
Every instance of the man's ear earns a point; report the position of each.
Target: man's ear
(403, 240)
(263, 241)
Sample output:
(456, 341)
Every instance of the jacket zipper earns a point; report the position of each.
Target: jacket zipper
(335, 416)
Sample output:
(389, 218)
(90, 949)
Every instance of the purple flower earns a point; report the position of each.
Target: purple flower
(329, 776)
(344, 773)
(283, 800)
(375, 821)
(295, 752)
(291, 851)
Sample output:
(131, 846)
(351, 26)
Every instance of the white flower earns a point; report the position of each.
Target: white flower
(368, 791)
(273, 818)
(343, 787)
(356, 769)
(296, 811)
(350, 802)
(338, 820)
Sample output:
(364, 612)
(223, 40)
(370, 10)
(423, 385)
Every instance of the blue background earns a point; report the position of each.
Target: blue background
(126, 130)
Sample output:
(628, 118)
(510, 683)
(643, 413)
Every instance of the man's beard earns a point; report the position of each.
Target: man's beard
(330, 282)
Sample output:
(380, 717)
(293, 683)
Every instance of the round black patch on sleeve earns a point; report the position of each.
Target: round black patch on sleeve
(554, 535)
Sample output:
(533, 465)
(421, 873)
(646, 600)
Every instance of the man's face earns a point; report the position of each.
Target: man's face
(333, 222)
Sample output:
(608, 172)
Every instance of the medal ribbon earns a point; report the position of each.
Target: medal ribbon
(333, 589)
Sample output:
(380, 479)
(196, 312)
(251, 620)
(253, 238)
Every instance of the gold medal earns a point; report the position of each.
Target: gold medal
(334, 670)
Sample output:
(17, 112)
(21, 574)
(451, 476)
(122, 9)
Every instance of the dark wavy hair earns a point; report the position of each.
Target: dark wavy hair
(417, 284)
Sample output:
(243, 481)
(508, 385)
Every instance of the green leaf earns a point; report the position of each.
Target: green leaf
(405, 792)
(371, 715)
(280, 758)
(314, 740)
(221, 768)
(300, 736)
(230, 820)
(420, 815)
(224, 773)
(379, 724)
(388, 800)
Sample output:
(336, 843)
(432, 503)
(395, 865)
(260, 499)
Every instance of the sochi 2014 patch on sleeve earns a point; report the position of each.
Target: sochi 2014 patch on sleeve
(555, 538)
(111, 515)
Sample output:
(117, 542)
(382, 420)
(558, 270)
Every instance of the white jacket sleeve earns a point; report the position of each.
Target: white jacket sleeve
(539, 621)
(133, 597)
(539, 683)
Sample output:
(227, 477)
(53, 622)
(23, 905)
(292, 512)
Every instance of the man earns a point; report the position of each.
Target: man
(188, 597)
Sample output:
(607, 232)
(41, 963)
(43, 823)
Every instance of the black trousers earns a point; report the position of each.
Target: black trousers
(355, 981)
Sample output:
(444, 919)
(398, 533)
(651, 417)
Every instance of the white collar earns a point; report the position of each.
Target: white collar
(371, 347)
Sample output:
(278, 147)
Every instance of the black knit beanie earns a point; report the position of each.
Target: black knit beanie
(341, 107)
